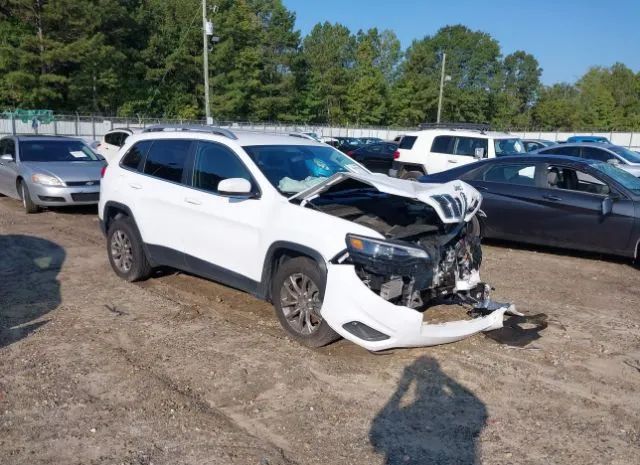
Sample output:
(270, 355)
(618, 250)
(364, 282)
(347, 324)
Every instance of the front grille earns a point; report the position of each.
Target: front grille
(82, 183)
(86, 197)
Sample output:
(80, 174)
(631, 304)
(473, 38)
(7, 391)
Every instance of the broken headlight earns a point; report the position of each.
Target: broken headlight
(387, 257)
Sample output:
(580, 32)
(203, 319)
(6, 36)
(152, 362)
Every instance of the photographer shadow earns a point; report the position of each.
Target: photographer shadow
(429, 420)
(29, 287)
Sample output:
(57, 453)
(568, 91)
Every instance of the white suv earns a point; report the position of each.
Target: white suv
(113, 140)
(336, 249)
(441, 147)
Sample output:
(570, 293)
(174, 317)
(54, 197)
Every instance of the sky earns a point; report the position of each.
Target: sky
(566, 36)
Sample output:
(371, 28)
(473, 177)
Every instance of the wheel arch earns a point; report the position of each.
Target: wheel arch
(279, 252)
(114, 210)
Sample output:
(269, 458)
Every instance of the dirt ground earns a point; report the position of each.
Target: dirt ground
(179, 370)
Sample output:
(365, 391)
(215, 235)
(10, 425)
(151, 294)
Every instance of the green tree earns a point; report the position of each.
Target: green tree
(328, 54)
(557, 108)
(473, 64)
(376, 58)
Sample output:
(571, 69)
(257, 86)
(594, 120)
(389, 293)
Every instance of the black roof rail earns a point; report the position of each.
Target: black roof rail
(191, 128)
(468, 126)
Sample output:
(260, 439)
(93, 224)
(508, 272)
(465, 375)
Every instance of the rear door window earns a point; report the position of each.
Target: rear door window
(115, 138)
(166, 159)
(517, 173)
(593, 153)
(466, 146)
(562, 150)
(407, 142)
(443, 144)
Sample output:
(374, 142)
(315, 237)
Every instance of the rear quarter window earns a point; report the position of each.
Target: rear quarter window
(133, 158)
(407, 142)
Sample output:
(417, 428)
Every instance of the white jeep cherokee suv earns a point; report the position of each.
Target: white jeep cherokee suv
(336, 249)
(439, 147)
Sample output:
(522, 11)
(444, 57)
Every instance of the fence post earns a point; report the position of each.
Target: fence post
(13, 124)
(93, 127)
(55, 127)
(77, 123)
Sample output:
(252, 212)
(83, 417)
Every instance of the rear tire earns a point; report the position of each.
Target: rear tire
(126, 252)
(27, 203)
(297, 293)
(412, 175)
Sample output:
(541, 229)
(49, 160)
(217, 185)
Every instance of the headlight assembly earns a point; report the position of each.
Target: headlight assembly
(46, 180)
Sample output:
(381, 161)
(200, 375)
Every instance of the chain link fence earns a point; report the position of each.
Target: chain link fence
(95, 127)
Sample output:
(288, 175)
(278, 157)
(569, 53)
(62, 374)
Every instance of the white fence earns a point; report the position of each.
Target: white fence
(95, 127)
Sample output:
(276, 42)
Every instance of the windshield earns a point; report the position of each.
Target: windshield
(628, 155)
(294, 168)
(56, 150)
(624, 178)
(508, 147)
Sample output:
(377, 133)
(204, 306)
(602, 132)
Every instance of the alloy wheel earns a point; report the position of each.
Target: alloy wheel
(121, 251)
(301, 303)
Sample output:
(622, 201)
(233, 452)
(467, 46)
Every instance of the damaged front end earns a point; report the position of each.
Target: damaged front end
(426, 256)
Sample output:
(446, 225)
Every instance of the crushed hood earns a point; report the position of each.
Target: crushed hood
(454, 201)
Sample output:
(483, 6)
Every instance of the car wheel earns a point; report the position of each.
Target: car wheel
(126, 252)
(27, 203)
(297, 294)
(475, 227)
(412, 175)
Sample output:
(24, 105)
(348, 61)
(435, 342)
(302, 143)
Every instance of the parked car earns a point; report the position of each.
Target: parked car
(113, 140)
(558, 201)
(338, 250)
(624, 158)
(441, 148)
(592, 139)
(332, 141)
(349, 144)
(370, 140)
(376, 157)
(534, 144)
(49, 171)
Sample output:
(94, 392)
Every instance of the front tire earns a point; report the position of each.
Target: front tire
(28, 204)
(475, 227)
(297, 293)
(126, 251)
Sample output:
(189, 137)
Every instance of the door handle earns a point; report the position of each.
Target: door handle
(452, 161)
(552, 198)
(192, 201)
(135, 186)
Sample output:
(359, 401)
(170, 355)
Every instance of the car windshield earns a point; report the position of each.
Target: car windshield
(56, 150)
(628, 155)
(294, 168)
(624, 178)
(508, 147)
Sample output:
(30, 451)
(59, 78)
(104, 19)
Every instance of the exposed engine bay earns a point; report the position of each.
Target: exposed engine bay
(422, 258)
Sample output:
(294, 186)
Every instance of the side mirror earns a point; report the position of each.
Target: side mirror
(607, 203)
(478, 153)
(613, 161)
(6, 157)
(235, 186)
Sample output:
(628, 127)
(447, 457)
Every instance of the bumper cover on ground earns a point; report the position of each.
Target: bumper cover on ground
(347, 299)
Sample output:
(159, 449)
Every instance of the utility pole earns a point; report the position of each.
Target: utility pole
(444, 60)
(205, 51)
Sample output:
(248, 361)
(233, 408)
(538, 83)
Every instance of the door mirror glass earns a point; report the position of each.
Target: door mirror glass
(234, 186)
(607, 206)
(479, 153)
(6, 157)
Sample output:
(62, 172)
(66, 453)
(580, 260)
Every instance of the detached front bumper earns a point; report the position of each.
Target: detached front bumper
(363, 317)
(53, 196)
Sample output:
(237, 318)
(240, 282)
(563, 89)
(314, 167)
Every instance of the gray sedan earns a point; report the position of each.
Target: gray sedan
(49, 171)
(622, 157)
